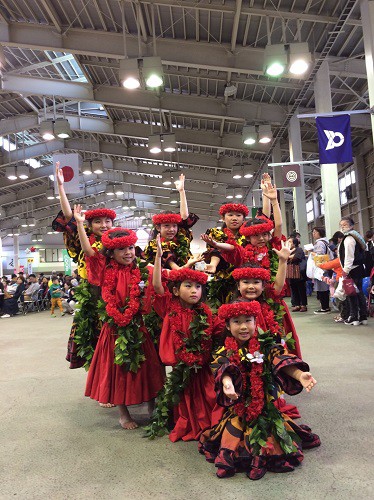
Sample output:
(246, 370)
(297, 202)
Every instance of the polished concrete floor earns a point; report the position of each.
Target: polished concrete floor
(56, 444)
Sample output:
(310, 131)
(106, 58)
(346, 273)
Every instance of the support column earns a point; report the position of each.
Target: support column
(299, 201)
(1, 258)
(278, 180)
(362, 199)
(367, 19)
(16, 252)
(329, 173)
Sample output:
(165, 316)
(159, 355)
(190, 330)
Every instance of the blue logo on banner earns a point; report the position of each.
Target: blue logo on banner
(334, 139)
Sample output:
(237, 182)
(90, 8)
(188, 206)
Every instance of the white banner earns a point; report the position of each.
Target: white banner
(70, 165)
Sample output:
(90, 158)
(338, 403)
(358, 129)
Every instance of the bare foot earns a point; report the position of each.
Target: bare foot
(106, 405)
(129, 425)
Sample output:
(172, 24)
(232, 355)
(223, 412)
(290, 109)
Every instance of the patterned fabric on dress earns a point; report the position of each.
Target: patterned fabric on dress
(228, 444)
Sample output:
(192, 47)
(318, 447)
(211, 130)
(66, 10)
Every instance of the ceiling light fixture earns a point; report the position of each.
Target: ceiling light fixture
(129, 73)
(154, 144)
(249, 135)
(237, 171)
(166, 178)
(97, 166)
(152, 71)
(10, 172)
(169, 144)
(300, 58)
(265, 134)
(275, 59)
(62, 128)
(23, 171)
(86, 167)
(46, 130)
(132, 203)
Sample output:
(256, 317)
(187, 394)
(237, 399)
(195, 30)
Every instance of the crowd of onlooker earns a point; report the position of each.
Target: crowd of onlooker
(27, 292)
(345, 263)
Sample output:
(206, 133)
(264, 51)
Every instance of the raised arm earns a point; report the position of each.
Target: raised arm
(64, 202)
(270, 192)
(283, 255)
(83, 238)
(156, 277)
(182, 197)
(266, 207)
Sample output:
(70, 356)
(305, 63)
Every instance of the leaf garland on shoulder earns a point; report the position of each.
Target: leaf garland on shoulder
(179, 247)
(193, 350)
(126, 319)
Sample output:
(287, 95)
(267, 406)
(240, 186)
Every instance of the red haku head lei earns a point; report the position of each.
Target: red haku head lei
(259, 225)
(227, 311)
(97, 213)
(233, 207)
(186, 274)
(125, 238)
(251, 273)
(166, 219)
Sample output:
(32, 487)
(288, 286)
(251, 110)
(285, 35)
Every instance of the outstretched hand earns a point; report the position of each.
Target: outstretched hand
(269, 190)
(209, 240)
(265, 179)
(307, 381)
(179, 184)
(59, 174)
(284, 252)
(228, 388)
(78, 215)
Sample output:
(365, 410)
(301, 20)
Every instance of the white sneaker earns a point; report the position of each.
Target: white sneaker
(5, 316)
(352, 322)
(364, 322)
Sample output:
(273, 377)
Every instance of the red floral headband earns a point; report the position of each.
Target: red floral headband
(100, 212)
(250, 229)
(233, 207)
(120, 242)
(251, 272)
(167, 219)
(185, 274)
(227, 311)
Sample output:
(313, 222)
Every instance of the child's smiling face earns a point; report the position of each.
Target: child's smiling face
(242, 327)
(251, 288)
(167, 231)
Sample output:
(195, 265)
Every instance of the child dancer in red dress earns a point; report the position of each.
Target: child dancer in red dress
(125, 369)
(185, 344)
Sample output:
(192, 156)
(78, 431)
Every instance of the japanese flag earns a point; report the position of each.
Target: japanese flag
(70, 165)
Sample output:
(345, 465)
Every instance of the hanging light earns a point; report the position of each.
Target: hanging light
(39, 237)
(129, 73)
(154, 144)
(97, 166)
(132, 203)
(50, 194)
(23, 171)
(264, 134)
(136, 214)
(173, 198)
(275, 59)
(247, 175)
(229, 193)
(169, 144)
(23, 223)
(152, 71)
(31, 221)
(166, 178)
(237, 172)
(249, 135)
(142, 215)
(109, 190)
(16, 231)
(10, 172)
(34, 237)
(238, 193)
(62, 128)
(300, 58)
(118, 190)
(86, 167)
(46, 130)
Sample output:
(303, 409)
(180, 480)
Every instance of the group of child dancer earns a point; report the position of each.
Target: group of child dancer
(233, 348)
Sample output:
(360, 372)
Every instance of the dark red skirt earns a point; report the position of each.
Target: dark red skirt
(111, 383)
(197, 409)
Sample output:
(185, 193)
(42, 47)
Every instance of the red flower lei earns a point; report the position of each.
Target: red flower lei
(121, 315)
(269, 318)
(243, 409)
(257, 254)
(199, 353)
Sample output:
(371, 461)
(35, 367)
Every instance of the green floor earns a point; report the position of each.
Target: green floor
(55, 444)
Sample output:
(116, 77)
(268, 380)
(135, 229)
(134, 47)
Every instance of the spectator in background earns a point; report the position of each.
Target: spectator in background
(334, 242)
(44, 286)
(297, 280)
(10, 306)
(31, 294)
(75, 278)
(12, 286)
(321, 247)
(352, 255)
(56, 294)
(369, 240)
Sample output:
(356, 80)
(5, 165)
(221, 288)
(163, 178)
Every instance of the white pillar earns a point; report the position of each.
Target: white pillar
(329, 173)
(1, 259)
(367, 19)
(278, 180)
(362, 199)
(299, 202)
(16, 252)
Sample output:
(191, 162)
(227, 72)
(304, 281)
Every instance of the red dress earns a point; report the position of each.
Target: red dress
(108, 382)
(197, 408)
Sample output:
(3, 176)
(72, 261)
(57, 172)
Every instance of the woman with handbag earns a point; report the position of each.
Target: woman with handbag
(297, 277)
(321, 247)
